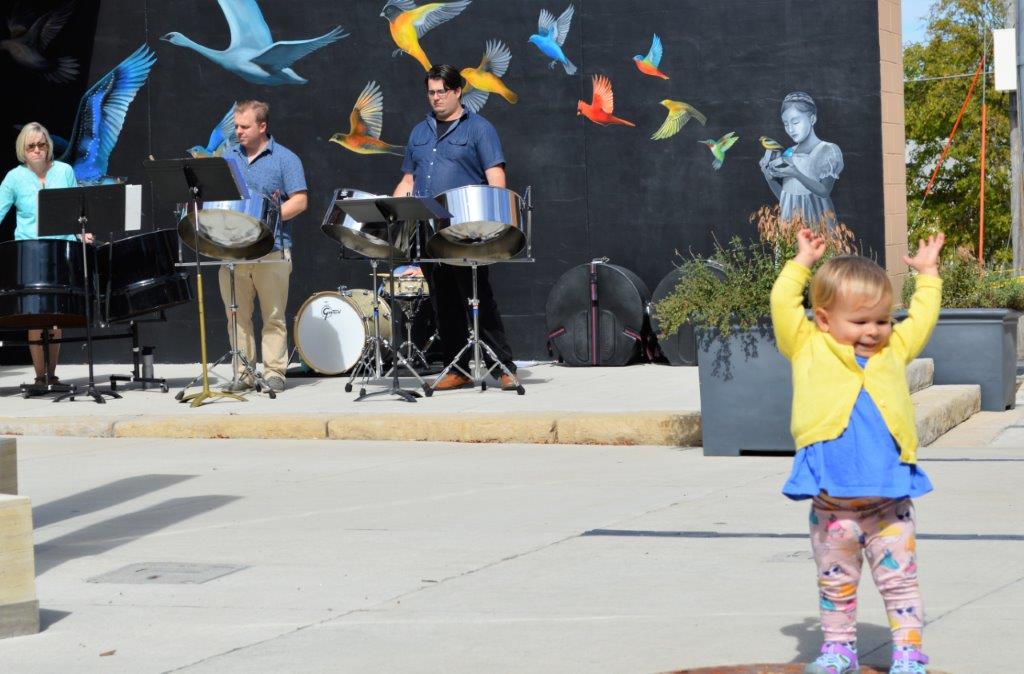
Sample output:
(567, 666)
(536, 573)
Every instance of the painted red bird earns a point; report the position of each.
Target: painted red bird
(600, 109)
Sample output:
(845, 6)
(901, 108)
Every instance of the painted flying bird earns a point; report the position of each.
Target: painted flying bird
(252, 54)
(29, 39)
(679, 113)
(600, 109)
(365, 124)
(648, 65)
(222, 138)
(408, 23)
(719, 147)
(770, 144)
(101, 114)
(486, 79)
(550, 37)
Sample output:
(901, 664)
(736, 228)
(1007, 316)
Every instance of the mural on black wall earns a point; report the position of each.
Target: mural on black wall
(408, 23)
(365, 123)
(101, 115)
(602, 104)
(485, 79)
(720, 147)
(28, 40)
(222, 138)
(802, 176)
(679, 113)
(252, 53)
(649, 64)
(550, 37)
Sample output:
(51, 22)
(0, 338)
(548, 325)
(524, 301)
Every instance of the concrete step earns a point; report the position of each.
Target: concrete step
(940, 408)
(920, 374)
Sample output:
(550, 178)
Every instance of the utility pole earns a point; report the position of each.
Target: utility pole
(1015, 10)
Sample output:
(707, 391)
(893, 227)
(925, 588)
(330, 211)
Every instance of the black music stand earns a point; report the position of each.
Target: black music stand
(98, 210)
(192, 181)
(394, 212)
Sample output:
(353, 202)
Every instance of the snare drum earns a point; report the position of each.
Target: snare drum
(331, 328)
(233, 230)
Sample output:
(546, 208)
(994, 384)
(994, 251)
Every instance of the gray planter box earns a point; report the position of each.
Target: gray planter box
(977, 346)
(745, 392)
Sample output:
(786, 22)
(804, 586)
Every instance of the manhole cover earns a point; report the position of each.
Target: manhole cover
(167, 573)
(791, 668)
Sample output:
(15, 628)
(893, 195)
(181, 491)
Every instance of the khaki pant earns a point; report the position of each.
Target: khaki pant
(267, 280)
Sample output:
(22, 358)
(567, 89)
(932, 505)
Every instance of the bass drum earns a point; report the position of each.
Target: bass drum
(331, 328)
(42, 283)
(137, 275)
(597, 315)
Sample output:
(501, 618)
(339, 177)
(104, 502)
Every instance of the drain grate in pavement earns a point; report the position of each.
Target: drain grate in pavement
(166, 573)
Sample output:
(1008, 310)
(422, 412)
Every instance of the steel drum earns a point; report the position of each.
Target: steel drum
(487, 225)
(232, 230)
(42, 283)
(331, 328)
(137, 275)
(374, 239)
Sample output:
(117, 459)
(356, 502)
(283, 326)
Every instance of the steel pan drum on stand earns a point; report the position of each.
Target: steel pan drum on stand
(41, 283)
(375, 240)
(137, 275)
(487, 225)
(232, 230)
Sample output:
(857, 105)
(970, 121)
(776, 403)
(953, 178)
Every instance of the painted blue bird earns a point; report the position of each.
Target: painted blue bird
(101, 114)
(550, 37)
(252, 54)
(222, 137)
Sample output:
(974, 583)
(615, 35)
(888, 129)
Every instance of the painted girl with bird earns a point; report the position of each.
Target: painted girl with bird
(802, 176)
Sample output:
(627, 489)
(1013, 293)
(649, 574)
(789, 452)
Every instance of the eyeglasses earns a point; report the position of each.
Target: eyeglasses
(438, 93)
(41, 145)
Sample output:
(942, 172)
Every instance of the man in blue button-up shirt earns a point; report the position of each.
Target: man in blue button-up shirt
(270, 170)
(451, 148)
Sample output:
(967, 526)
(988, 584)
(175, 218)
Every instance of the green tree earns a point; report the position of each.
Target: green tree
(954, 43)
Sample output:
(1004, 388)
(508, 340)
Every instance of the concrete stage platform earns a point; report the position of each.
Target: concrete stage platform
(635, 405)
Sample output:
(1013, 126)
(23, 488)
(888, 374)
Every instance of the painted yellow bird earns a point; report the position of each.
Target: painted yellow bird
(408, 23)
(365, 123)
(486, 78)
(679, 113)
(770, 144)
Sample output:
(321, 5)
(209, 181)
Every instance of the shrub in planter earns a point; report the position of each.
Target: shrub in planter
(975, 340)
(744, 381)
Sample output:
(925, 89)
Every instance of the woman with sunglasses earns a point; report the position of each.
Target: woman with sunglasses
(37, 170)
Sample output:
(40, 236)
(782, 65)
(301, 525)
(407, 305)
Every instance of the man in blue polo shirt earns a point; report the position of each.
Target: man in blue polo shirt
(271, 170)
(451, 148)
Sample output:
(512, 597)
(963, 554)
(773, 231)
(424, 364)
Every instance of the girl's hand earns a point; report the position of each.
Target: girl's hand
(783, 169)
(810, 247)
(927, 259)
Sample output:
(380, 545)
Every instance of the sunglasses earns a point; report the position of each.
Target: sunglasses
(41, 145)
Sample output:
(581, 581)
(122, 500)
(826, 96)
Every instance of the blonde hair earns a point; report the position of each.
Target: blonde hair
(21, 141)
(850, 276)
(259, 108)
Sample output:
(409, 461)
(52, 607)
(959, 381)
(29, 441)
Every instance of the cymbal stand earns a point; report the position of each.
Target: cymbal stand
(371, 359)
(477, 371)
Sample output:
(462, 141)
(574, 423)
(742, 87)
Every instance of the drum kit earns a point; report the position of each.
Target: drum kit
(352, 330)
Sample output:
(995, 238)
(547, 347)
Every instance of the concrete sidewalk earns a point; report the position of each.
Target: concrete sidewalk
(429, 557)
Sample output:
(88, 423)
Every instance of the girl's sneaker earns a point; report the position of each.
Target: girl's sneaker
(835, 658)
(908, 660)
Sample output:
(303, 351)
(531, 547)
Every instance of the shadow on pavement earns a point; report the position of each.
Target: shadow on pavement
(102, 497)
(109, 534)
(873, 641)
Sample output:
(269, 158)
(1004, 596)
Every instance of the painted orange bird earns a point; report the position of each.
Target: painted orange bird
(408, 23)
(365, 124)
(486, 78)
(600, 109)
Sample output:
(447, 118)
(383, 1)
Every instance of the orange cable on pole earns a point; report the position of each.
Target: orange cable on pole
(949, 141)
(981, 206)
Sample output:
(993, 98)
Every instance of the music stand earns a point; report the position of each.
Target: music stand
(98, 210)
(192, 181)
(394, 212)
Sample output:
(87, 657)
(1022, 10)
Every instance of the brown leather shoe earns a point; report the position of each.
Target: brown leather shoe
(453, 380)
(509, 383)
